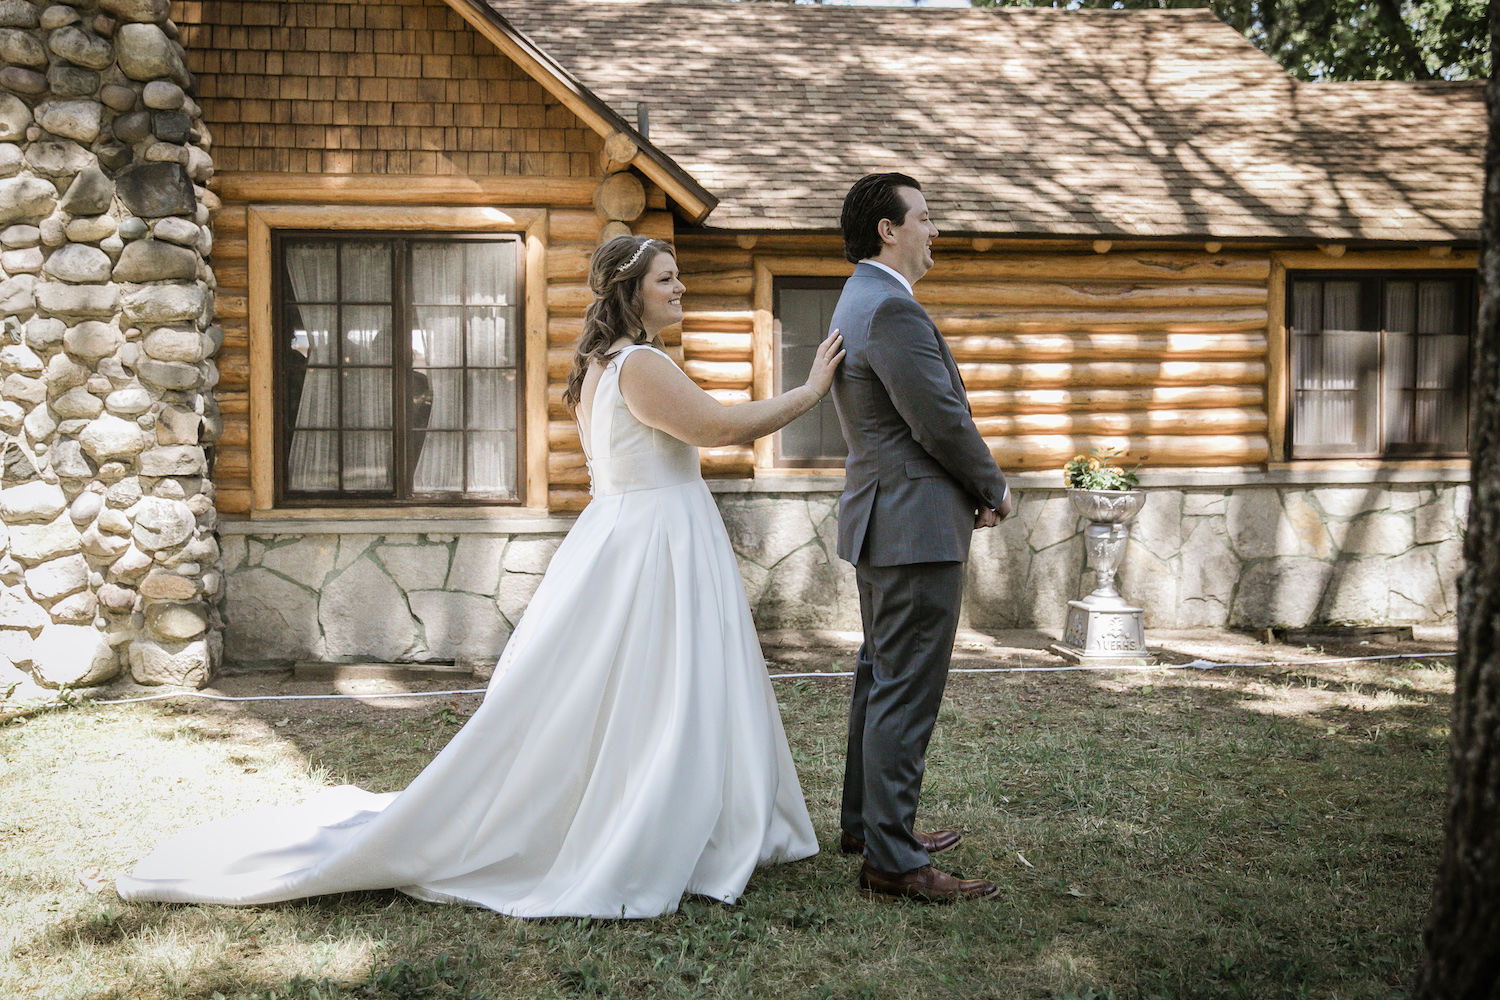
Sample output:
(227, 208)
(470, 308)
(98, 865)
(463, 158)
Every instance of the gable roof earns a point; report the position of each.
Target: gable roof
(691, 197)
(1020, 120)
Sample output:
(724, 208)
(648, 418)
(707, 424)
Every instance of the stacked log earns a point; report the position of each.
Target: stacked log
(1161, 356)
(573, 235)
(717, 333)
(231, 465)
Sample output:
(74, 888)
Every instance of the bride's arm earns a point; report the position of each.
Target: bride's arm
(660, 395)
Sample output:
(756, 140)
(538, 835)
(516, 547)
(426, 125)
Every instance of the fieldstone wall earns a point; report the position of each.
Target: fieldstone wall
(108, 559)
(1251, 556)
(1246, 556)
(378, 597)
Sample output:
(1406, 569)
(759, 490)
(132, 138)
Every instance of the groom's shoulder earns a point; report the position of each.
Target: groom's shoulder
(869, 288)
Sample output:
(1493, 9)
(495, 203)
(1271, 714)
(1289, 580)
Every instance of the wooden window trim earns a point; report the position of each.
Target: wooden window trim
(1333, 270)
(1278, 343)
(763, 340)
(401, 245)
(262, 220)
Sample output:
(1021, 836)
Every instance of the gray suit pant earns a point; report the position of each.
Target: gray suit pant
(910, 616)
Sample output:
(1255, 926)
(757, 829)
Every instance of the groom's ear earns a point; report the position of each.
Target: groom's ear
(887, 231)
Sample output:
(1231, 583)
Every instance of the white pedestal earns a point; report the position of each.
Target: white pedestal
(1103, 631)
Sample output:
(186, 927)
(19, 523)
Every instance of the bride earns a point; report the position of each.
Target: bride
(628, 749)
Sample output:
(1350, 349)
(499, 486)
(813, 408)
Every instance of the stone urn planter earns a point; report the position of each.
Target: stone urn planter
(1104, 626)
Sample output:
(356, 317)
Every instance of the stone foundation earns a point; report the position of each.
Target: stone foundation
(388, 597)
(108, 559)
(1251, 556)
(1244, 556)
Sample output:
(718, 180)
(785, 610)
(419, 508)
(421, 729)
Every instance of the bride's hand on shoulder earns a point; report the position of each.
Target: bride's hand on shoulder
(825, 362)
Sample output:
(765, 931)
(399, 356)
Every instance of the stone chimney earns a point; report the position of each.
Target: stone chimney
(108, 558)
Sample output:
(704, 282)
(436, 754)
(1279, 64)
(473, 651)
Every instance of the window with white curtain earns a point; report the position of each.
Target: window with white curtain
(1379, 364)
(398, 369)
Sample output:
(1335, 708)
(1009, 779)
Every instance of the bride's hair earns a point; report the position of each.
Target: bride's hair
(615, 276)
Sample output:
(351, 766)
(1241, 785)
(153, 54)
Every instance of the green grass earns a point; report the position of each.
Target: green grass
(1253, 834)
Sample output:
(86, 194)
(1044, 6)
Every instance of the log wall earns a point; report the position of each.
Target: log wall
(1160, 355)
(230, 261)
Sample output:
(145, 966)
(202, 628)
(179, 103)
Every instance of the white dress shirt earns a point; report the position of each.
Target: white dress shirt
(891, 270)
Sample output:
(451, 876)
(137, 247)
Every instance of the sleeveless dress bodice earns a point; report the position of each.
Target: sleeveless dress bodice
(624, 454)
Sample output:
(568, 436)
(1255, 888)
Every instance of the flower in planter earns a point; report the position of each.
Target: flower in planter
(1094, 472)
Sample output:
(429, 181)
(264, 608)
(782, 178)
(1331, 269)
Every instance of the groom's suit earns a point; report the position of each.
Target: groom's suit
(916, 474)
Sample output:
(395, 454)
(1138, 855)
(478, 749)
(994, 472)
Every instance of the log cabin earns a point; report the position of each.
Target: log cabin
(1155, 242)
(1136, 207)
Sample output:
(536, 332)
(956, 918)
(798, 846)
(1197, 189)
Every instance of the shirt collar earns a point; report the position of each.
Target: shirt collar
(892, 271)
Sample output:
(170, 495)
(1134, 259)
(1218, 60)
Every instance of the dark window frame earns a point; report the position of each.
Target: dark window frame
(402, 308)
(780, 283)
(1372, 297)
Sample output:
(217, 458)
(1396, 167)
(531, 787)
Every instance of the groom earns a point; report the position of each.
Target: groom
(918, 480)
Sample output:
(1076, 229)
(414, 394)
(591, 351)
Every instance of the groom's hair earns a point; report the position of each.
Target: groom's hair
(872, 198)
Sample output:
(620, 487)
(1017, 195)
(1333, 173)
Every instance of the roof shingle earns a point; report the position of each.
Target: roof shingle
(1022, 120)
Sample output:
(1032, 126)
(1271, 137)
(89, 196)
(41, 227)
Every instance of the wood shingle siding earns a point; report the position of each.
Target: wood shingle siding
(372, 88)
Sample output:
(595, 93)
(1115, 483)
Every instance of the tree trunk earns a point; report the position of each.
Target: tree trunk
(1401, 38)
(1462, 937)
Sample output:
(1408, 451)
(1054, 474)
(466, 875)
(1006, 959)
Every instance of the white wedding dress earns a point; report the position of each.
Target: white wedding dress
(628, 750)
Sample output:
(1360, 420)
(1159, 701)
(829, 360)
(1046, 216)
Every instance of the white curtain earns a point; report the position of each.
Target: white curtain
(1440, 403)
(312, 464)
(348, 367)
(1334, 367)
(368, 373)
(463, 352)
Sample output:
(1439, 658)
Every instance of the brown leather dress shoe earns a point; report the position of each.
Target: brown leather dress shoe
(925, 885)
(933, 843)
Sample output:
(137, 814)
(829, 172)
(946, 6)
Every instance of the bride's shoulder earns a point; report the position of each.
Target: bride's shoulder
(647, 351)
(647, 367)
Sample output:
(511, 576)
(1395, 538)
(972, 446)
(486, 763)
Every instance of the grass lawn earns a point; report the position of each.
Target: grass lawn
(1262, 832)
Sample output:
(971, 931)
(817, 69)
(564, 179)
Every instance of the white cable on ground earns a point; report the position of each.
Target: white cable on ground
(1198, 664)
(285, 697)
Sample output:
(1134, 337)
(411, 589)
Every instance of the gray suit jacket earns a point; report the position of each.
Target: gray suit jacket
(917, 469)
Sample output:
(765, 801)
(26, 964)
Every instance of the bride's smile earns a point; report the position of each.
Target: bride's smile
(661, 294)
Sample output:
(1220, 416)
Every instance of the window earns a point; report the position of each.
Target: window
(1379, 364)
(804, 308)
(397, 369)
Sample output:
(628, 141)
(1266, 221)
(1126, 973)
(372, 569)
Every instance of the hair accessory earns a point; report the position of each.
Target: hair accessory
(635, 256)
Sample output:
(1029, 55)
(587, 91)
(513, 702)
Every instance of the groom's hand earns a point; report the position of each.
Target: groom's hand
(987, 518)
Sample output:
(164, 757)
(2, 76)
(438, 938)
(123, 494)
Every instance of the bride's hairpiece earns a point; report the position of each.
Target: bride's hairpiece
(635, 256)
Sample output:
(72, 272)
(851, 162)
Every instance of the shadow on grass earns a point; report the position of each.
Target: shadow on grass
(1265, 832)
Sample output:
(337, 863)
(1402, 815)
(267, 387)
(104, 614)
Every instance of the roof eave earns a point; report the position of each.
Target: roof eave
(694, 199)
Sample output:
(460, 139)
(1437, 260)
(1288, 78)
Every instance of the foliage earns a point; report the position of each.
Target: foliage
(1338, 39)
(1342, 39)
(1094, 472)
